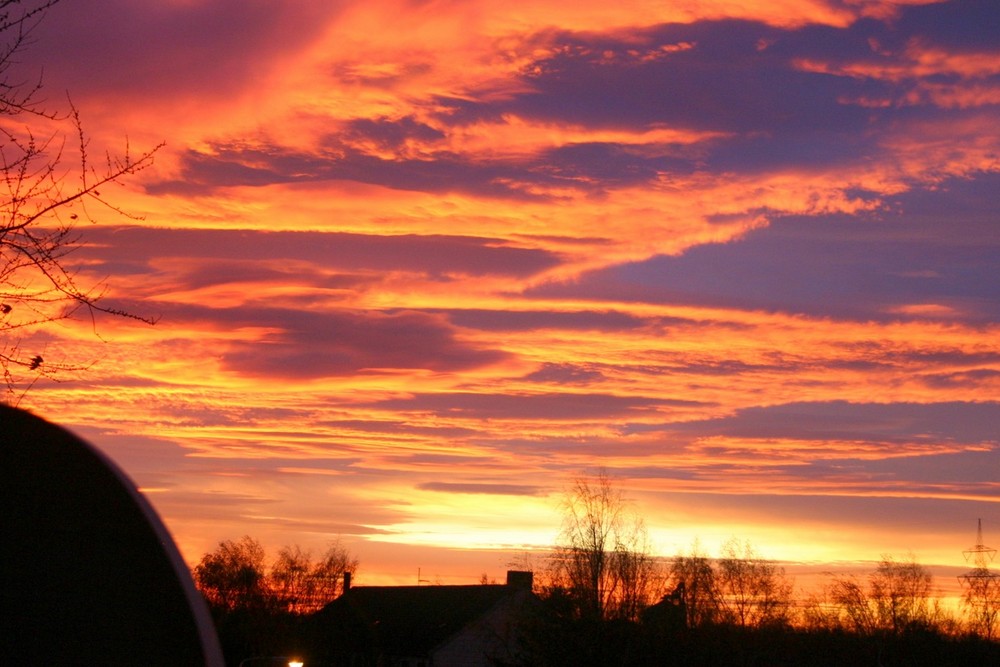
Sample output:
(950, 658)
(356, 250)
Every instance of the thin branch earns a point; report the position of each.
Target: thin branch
(38, 210)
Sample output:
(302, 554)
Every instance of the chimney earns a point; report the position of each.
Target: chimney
(347, 582)
(520, 579)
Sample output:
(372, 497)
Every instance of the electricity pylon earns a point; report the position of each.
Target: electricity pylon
(982, 587)
(980, 555)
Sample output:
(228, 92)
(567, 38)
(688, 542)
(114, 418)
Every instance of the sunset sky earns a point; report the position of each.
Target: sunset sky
(418, 264)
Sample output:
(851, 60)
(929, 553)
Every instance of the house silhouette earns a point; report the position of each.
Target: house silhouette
(424, 626)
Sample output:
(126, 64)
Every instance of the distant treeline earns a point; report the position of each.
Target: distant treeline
(603, 565)
(601, 598)
(737, 609)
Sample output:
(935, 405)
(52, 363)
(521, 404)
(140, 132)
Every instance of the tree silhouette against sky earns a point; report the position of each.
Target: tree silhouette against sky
(49, 183)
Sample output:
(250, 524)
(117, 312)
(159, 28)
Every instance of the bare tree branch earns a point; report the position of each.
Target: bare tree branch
(40, 206)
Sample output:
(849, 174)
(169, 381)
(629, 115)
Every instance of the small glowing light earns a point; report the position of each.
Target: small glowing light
(295, 663)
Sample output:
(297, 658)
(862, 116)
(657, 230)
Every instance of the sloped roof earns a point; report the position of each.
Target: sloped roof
(408, 620)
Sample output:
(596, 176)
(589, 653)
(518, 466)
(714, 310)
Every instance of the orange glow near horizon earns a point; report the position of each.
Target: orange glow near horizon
(418, 265)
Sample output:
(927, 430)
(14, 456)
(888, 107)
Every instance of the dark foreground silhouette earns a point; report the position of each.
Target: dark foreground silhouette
(463, 626)
(88, 573)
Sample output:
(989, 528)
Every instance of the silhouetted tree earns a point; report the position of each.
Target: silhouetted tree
(903, 594)
(638, 579)
(696, 577)
(259, 610)
(291, 576)
(234, 576)
(898, 597)
(858, 609)
(981, 599)
(602, 558)
(817, 613)
(752, 592)
(301, 585)
(39, 205)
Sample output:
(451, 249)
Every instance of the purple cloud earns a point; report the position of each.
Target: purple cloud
(737, 77)
(954, 422)
(517, 320)
(237, 165)
(938, 247)
(312, 345)
(434, 255)
(107, 49)
(551, 406)
(482, 488)
(565, 374)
